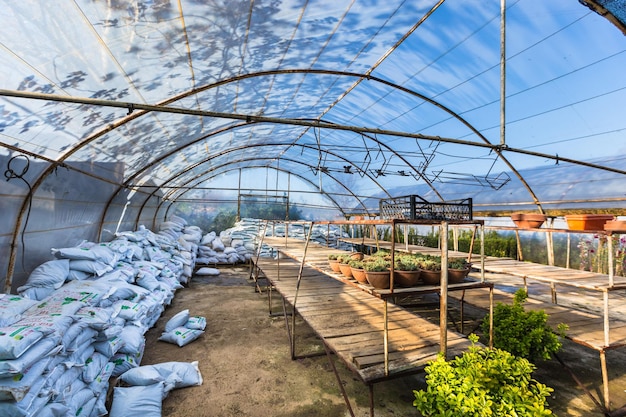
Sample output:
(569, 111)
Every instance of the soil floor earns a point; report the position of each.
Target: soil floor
(247, 370)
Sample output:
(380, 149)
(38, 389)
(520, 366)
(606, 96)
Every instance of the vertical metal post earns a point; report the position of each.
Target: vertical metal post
(502, 72)
(295, 297)
(443, 299)
(609, 244)
(386, 337)
(482, 252)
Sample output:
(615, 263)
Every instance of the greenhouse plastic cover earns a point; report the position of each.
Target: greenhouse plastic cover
(111, 112)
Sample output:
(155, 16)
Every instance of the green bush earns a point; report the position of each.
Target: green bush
(523, 333)
(480, 383)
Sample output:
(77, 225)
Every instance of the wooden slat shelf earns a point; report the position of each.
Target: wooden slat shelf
(350, 317)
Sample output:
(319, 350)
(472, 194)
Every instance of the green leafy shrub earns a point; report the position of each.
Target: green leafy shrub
(523, 333)
(482, 382)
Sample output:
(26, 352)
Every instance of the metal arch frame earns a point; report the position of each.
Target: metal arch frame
(139, 109)
(306, 180)
(326, 195)
(286, 145)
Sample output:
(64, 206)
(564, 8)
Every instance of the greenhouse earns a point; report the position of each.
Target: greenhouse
(137, 135)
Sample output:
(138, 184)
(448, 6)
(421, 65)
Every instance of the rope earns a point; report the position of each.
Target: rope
(11, 174)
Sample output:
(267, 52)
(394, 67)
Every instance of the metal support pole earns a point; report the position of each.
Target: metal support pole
(443, 299)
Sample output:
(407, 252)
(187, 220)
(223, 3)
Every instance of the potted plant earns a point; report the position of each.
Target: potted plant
(358, 270)
(430, 269)
(458, 269)
(528, 220)
(333, 261)
(344, 266)
(377, 273)
(406, 270)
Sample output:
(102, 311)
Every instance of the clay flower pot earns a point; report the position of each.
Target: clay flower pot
(359, 275)
(456, 276)
(528, 220)
(615, 226)
(378, 279)
(334, 265)
(345, 270)
(406, 278)
(587, 221)
(430, 277)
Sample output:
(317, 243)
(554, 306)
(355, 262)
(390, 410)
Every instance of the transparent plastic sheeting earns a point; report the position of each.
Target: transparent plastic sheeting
(335, 103)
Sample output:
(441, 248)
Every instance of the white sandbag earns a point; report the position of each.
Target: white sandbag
(208, 271)
(93, 366)
(97, 268)
(16, 387)
(129, 310)
(147, 281)
(122, 362)
(173, 374)
(217, 244)
(187, 373)
(81, 403)
(80, 356)
(95, 317)
(181, 336)
(109, 347)
(179, 319)
(51, 274)
(88, 251)
(29, 406)
(48, 345)
(100, 385)
(16, 339)
(99, 408)
(196, 323)
(134, 340)
(36, 293)
(138, 401)
(53, 410)
(12, 307)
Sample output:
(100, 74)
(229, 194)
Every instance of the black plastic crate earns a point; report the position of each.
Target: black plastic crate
(414, 207)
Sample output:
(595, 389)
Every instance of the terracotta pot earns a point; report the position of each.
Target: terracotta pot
(456, 276)
(430, 277)
(528, 220)
(345, 270)
(378, 280)
(334, 265)
(587, 221)
(357, 255)
(359, 275)
(406, 278)
(615, 226)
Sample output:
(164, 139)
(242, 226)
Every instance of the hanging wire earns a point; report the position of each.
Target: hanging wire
(10, 174)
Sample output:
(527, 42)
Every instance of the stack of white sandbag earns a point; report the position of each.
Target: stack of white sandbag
(233, 245)
(81, 318)
(146, 387)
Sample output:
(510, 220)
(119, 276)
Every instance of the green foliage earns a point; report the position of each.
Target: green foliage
(376, 264)
(482, 382)
(523, 333)
(403, 262)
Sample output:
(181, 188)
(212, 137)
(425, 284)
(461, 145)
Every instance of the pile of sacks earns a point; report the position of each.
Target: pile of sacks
(80, 319)
(233, 245)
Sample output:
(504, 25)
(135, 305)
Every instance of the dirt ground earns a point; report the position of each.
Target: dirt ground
(247, 369)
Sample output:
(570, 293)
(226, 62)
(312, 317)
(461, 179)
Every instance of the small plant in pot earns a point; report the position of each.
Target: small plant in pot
(344, 266)
(458, 269)
(377, 273)
(333, 261)
(406, 271)
(430, 267)
(358, 270)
